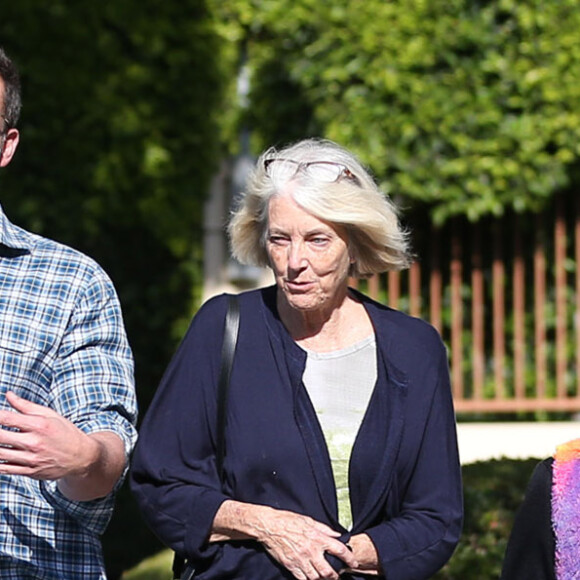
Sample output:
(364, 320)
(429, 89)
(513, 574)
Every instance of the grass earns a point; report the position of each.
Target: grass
(156, 567)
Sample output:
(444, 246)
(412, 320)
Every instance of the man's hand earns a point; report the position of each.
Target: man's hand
(47, 446)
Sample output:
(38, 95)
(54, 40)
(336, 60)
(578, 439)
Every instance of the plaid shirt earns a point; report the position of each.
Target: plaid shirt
(63, 345)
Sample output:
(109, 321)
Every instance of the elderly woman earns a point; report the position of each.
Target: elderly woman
(341, 443)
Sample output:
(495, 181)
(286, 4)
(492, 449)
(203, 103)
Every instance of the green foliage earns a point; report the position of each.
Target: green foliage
(470, 107)
(119, 141)
(157, 567)
(493, 491)
(120, 136)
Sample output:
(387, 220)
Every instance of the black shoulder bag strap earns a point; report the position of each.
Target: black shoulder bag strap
(181, 570)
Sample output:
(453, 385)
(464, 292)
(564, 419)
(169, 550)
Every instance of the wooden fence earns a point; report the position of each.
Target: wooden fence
(505, 296)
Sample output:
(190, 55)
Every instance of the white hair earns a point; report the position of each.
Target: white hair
(376, 239)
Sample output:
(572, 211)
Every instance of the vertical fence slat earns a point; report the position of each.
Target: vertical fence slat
(477, 315)
(374, 286)
(394, 285)
(456, 315)
(415, 289)
(498, 279)
(519, 306)
(539, 314)
(502, 335)
(435, 280)
(560, 281)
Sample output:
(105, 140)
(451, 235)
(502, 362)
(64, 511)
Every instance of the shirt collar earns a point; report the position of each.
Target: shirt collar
(14, 241)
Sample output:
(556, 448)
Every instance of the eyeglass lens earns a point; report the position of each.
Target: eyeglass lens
(283, 169)
(286, 169)
(323, 171)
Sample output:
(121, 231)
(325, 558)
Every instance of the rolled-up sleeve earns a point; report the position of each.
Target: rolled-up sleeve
(93, 386)
(93, 383)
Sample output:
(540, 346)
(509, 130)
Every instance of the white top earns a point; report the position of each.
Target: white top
(340, 384)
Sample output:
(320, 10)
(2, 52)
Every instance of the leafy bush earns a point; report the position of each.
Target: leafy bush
(119, 141)
(493, 491)
(468, 106)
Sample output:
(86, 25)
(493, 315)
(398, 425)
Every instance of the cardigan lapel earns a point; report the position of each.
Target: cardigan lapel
(310, 430)
(384, 419)
(291, 361)
(316, 448)
(383, 427)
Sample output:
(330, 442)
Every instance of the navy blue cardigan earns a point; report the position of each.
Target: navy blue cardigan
(405, 481)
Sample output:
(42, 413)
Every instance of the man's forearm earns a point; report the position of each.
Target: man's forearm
(101, 463)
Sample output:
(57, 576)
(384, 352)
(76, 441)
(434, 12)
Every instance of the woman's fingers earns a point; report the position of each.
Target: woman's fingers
(343, 553)
(324, 529)
(299, 543)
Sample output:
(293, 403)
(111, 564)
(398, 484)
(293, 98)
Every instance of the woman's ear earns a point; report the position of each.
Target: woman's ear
(9, 145)
(351, 252)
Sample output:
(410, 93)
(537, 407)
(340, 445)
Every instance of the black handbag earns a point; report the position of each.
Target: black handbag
(184, 569)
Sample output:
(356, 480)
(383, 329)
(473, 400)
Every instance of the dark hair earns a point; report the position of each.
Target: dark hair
(12, 102)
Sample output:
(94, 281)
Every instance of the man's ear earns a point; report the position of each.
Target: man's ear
(10, 142)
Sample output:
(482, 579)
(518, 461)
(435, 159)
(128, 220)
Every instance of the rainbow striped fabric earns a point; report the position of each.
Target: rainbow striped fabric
(566, 509)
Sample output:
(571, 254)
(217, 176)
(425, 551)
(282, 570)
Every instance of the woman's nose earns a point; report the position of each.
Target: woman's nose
(296, 256)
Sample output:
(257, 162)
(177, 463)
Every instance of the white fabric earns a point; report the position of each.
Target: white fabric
(340, 384)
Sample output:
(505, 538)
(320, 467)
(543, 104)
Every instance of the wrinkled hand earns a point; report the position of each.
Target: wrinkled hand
(366, 555)
(298, 543)
(45, 445)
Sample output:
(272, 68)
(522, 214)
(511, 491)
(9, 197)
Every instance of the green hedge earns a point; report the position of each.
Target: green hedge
(493, 491)
(470, 107)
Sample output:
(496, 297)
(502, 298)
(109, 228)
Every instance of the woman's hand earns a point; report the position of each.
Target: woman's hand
(297, 542)
(366, 555)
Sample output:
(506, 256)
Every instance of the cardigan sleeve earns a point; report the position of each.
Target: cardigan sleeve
(424, 528)
(530, 550)
(173, 475)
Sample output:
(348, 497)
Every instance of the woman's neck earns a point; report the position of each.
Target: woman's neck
(343, 323)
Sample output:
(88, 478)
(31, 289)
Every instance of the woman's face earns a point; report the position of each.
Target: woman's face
(309, 257)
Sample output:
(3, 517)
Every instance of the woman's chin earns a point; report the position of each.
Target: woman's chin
(303, 302)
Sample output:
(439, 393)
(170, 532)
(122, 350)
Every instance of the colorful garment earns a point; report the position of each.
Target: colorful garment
(566, 510)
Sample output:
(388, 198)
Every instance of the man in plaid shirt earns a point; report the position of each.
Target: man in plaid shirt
(67, 399)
